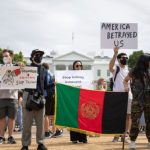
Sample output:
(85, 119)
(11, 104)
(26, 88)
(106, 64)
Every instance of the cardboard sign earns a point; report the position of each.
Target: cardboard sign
(78, 78)
(122, 35)
(16, 77)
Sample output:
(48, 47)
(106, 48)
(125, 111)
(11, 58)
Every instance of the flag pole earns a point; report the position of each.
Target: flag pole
(123, 141)
(72, 40)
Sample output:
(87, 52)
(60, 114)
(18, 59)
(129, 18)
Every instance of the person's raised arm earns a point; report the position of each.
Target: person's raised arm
(112, 61)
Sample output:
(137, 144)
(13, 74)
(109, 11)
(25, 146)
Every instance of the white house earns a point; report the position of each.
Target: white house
(65, 62)
(98, 64)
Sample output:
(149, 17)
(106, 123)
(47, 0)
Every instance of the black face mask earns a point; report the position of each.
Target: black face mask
(124, 61)
(37, 59)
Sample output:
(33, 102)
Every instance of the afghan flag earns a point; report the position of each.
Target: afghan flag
(88, 110)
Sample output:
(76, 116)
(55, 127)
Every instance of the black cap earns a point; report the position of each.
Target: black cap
(37, 51)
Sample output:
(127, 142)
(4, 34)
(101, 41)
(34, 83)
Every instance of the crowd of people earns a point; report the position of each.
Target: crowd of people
(20, 109)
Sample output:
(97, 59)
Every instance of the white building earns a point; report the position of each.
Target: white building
(98, 64)
(65, 62)
(101, 67)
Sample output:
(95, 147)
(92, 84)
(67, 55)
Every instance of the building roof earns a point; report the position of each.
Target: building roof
(73, 55)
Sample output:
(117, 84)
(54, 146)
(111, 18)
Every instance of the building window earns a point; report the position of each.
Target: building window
(86, 67)
(98, 72)
(70, 67)
(60, 67)
(108, 73)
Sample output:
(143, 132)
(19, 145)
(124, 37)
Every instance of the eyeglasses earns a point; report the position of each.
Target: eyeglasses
(78, 66)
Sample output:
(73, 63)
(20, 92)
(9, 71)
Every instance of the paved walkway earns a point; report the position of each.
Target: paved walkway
(63, 143)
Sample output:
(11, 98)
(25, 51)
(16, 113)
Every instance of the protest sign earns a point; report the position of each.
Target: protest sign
(122, 35)
(16, 77)
(80, 78)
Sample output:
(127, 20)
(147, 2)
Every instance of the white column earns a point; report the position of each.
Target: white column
(67, 67)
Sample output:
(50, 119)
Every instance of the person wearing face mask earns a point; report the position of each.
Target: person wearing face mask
(31, 111)
(8, 104)
(140, 83)
(118, 85)
(76, 137)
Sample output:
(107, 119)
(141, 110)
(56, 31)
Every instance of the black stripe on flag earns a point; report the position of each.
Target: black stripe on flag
(114, 112)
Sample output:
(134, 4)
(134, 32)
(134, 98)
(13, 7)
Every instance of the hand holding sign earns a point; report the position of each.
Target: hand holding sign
(116, 49)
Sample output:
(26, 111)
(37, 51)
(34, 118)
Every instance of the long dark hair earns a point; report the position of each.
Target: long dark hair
(76, 62)
(140, 71)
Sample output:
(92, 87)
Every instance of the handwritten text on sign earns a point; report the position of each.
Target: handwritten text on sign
(18, 78)
(122, 35)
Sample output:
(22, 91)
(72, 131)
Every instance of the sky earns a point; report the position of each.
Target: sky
(50, 24)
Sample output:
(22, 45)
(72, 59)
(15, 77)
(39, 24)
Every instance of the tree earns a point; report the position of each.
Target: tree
(133, 58)
(18, 57)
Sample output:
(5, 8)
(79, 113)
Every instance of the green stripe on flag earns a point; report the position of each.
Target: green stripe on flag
(66, 96)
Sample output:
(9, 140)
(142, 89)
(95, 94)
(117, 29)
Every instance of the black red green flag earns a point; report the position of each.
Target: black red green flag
(88, 110)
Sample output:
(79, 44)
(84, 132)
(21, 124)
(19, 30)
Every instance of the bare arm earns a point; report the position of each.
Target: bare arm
(112, 61)
(125, 82)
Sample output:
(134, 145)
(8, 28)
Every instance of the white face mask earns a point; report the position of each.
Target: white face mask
(6, 60)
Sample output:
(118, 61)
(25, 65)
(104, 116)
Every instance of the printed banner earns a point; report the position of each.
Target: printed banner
(122, 35)
(78, 78)
(16, 77)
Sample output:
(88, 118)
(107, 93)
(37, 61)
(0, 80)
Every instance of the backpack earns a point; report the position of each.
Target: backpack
(50, 82)
(111, 84)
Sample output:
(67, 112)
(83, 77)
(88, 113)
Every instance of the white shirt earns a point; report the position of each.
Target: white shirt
(118, 84)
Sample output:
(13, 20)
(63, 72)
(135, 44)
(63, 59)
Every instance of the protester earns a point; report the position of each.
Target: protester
(18, 120)
(34, 104)
(140, 81)
(142, 124)
(101, 84)
(118, 84)
(57, 133)
(76, 136)
(49, 105)
(8, 104)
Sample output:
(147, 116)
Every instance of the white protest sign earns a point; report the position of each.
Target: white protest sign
(18, 78)
(78, 78)
(122, 35)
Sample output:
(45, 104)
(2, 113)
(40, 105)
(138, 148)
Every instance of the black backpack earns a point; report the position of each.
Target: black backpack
(111, 84)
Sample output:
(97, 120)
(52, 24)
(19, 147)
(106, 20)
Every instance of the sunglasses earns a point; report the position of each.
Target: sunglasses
(78, 66)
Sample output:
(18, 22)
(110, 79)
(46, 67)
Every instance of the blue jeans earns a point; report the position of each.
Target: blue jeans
(19, 117)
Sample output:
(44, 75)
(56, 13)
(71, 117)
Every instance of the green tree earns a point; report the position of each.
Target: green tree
(133, 58)
(18, 57)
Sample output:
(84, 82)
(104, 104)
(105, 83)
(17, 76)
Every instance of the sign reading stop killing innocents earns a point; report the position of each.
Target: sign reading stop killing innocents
(122, 35)
(77, 78)
(18, 78)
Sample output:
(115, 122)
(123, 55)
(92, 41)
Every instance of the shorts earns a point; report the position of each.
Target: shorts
(8, 107)
(49, 105)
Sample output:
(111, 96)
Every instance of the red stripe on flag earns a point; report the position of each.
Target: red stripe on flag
(90, 110)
